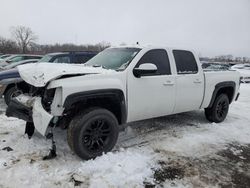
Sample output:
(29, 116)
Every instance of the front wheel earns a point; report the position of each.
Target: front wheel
(93, 132)
(218, 112)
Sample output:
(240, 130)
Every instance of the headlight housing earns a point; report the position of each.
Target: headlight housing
(47, 98)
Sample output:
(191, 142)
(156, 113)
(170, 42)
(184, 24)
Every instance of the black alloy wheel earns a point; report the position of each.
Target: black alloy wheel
(96, 135)
(219, 110)
(93, 132)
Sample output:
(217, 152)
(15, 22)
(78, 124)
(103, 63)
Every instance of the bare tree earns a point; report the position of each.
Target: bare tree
(24, 37)
(8, 46)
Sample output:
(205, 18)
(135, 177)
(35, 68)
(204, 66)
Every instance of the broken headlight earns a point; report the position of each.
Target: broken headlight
(47, 98)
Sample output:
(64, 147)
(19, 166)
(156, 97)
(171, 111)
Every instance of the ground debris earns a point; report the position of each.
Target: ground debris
(4, 133)
(149, 185)
(32, 161)
(168, 171)
(240, 180)
(236, 152)
(8, 149)
(76, 179)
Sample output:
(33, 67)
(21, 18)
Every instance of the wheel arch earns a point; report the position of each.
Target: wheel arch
(110, 99)
(227, 88)
(21, 85)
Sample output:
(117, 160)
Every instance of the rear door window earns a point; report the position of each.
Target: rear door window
(185, 62)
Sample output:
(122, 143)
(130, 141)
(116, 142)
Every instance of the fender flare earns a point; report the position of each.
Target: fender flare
(219, 86)
(115, 94)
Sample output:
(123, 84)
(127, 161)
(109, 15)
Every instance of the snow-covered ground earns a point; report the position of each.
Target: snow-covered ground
(182, 150)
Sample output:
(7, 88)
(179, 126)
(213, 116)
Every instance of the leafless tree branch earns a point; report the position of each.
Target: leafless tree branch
(24, 37)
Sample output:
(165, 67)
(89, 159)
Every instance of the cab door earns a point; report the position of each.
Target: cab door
(189, 82)
(151, 95)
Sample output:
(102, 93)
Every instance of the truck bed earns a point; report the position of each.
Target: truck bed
(212, 77)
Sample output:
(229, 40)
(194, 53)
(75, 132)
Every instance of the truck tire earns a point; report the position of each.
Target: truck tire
(92, 133)
(218, 112)
(11, 93)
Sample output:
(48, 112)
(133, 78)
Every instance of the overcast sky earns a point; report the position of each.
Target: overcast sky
(211, 27)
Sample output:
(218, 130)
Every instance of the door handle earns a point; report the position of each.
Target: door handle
(168, 83)
(197, 81)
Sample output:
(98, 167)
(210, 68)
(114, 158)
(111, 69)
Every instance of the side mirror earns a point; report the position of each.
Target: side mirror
(144, 69)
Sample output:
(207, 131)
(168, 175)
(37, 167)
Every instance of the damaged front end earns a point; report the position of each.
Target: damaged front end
(35, 110)
(31, 110)
(42, 103)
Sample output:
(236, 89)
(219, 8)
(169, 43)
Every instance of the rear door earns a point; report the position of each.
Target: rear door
(189, 82)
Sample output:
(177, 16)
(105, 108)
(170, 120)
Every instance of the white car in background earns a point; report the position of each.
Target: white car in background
(244, 70)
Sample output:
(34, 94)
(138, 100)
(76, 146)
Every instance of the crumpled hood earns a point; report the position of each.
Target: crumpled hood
(39, 74)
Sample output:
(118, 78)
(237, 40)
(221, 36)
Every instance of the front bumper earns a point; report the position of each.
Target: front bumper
(34, 113)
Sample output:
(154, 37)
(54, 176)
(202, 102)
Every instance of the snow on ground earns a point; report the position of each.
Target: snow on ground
(181, 150)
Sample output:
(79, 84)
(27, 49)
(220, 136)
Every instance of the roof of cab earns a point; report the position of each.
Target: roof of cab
(151, 47)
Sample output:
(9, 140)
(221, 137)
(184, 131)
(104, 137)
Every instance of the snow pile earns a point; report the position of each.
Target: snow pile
(127, 168)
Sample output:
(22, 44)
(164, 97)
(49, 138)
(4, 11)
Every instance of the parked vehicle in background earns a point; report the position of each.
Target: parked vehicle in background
(241, 66)
(68, 57)
(15, 64)
(119, 85)
(16, 58)
(215, 66)
(2, 57)
(11, 84)
(8, 80)
(244, 70)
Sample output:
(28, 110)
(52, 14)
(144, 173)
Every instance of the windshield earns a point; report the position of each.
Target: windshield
(45, 58)
(114, 58)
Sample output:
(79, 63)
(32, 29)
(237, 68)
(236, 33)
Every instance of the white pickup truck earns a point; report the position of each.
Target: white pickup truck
(118, 86)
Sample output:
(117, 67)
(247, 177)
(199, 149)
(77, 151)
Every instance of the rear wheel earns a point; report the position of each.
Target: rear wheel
(93, 132)
(218, 112)
(11, 93)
